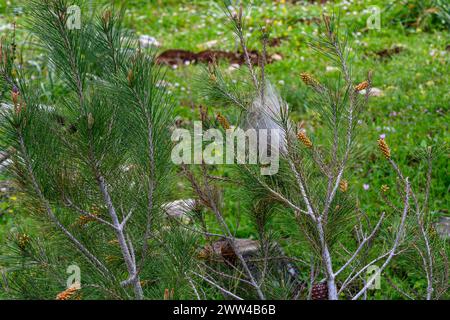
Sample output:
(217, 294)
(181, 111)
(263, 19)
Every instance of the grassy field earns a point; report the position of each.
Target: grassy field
(409, 56)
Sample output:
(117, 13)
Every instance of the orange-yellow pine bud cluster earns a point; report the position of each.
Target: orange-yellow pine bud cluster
(343, 185)
(362, 86)
(309, 79)
(68, 293)
(304, 139)
(83, 220)
(223, 121)
(384, 148)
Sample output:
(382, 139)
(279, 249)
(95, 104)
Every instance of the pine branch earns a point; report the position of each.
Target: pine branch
(398, 239)
(206, 196)
(50, 213)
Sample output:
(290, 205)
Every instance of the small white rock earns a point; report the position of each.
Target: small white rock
(331, 69)
(148, 41)
(374, 92)
(209, 44)
(277, 57)
(233, 66)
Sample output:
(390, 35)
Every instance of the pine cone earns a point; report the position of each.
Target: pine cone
(68, 293)
(343, 185)
(384, 148)
(319, 291)
(309, 80)
(304, 139)
(362, 86)
(223, 121)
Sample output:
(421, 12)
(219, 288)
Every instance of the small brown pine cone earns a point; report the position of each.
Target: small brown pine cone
(304, 139)
(168, 295)
(68, 293)
(363, 85)
(309, 79)
(319, 291)
(343, 185)
(384, 148)
(83, 220)
(130, 77)
(223, 121)
(23, 240)
(15, 97)
(111, 259)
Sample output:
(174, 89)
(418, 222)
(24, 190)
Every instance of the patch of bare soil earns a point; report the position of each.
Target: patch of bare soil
(276, 42)
(178, 57)
(388, 53)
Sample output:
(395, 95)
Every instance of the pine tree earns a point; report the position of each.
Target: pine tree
(93, 162)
